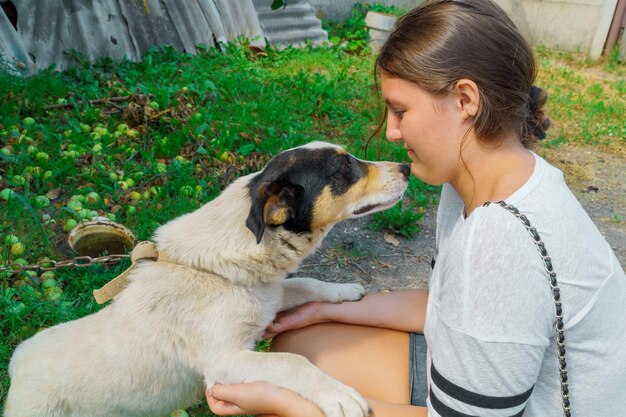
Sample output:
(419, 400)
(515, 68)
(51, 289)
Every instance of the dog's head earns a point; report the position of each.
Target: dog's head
(308, 188)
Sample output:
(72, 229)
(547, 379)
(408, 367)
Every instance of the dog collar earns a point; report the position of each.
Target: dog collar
(143, 250)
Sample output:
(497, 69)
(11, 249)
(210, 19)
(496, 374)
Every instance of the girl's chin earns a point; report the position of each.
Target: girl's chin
(416, 171)
(422, 174)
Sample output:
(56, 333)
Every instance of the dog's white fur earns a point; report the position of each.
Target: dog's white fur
(183, 326)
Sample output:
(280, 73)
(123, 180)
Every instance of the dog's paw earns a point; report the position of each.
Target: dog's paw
(343, 401)
(343, 292)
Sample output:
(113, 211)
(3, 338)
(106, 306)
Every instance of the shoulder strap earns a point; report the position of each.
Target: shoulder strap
(556, 294)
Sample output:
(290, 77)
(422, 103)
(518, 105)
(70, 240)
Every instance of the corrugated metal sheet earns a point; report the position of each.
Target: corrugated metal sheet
(13, 55)
(123, 28)
(292, 25)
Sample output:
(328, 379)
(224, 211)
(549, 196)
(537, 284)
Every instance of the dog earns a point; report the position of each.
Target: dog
(183, 325)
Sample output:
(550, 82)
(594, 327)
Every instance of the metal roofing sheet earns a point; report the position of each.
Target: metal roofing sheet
(13, 55)
(292, 25)
(123, 28)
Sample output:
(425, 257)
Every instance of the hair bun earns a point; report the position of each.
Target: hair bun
(537, 122)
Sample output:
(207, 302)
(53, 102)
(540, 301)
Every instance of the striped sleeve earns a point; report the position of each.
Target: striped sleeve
(471, 377)
(507, 406)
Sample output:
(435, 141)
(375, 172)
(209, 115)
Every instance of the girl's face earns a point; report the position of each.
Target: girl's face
(430, 127)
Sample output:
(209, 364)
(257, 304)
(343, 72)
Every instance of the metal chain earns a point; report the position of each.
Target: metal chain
(78, 262)
(556, 294)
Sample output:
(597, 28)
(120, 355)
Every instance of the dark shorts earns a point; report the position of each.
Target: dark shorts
(418, 383)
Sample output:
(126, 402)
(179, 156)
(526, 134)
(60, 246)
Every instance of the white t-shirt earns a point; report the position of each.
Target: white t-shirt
(491, 314)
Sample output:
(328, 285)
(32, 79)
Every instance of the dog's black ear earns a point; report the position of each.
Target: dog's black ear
(273, 205)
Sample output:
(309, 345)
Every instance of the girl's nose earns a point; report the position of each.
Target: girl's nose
(393, 134)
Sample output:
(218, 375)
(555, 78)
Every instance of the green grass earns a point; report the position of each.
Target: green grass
(404, 219)
(351, 34)
(207, 120)
(586, 99)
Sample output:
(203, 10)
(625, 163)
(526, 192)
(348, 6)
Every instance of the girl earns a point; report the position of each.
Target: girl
(456, 76)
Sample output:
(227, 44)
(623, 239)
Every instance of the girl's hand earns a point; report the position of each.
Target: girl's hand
(297, 318)
(253, 398)
(259, 398)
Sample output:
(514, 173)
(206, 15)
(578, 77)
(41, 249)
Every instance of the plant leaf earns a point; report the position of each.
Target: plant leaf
(31, 210)
(8, 158)
(54, 194)
(277, 4)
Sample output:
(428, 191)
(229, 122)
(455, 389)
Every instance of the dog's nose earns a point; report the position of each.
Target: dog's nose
(405, 170)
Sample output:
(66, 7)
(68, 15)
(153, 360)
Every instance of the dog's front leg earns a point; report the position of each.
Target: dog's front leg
(293, 372)
(297, 291)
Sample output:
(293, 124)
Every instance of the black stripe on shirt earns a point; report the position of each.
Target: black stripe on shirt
(445, 411)
(474, 399)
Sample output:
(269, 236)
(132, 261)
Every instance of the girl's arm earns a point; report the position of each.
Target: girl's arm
(398, 310)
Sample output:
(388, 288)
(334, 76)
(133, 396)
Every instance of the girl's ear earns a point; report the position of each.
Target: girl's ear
(468, 97)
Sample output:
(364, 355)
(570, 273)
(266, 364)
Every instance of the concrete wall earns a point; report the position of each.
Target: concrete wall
(563, 24)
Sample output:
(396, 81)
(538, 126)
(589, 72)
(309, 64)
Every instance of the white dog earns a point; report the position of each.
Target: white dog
(183, 325)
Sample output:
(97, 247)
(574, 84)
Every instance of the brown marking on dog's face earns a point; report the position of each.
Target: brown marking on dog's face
(308, 188)
(329, 207)
(370, 193)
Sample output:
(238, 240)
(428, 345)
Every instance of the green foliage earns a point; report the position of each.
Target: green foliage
(398, 219)
(404, 219)
(585, 103)
(352, 34)
(613, 59)
(277, 4)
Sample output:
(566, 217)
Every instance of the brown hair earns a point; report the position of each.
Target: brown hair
(442, 41)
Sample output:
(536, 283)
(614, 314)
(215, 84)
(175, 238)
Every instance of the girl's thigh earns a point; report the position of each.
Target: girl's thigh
(372, 360)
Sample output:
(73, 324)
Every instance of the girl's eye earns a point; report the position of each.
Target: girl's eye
(397, 114)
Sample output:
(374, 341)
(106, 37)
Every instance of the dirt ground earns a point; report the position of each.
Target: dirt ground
(352, 252)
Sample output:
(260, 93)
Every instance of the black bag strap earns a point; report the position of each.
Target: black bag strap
(556, 295)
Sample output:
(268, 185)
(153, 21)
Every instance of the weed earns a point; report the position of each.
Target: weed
(350, 249)
(352, 33)
(404, 219)
(613, 58)
(595, 90)
(554, 142)
(398, 219)
(585, 102)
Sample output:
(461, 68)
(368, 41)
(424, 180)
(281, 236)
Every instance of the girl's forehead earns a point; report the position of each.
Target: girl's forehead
(397, 89)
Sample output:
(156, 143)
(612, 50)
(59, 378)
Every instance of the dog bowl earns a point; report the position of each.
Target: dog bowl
(100, 236)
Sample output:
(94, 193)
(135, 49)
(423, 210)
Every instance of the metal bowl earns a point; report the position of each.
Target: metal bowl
(100, 236)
